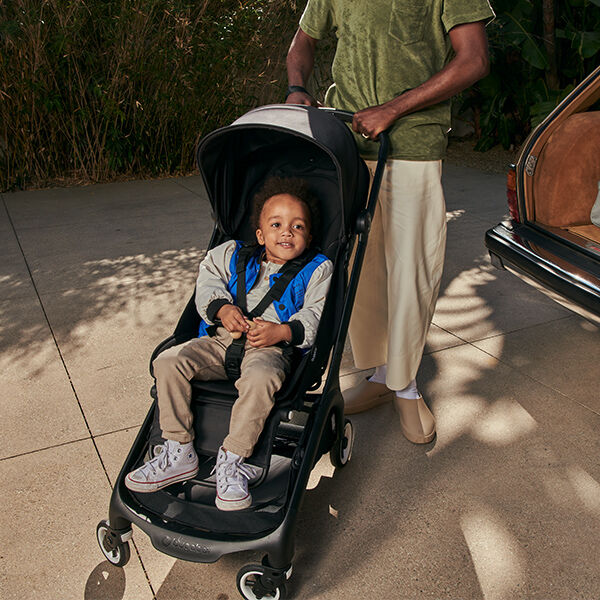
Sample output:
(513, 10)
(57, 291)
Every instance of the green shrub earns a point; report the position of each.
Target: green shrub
(99, 89)
(107, 88)
(539, 50)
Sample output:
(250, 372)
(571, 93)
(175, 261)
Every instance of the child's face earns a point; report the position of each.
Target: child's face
(284, 228)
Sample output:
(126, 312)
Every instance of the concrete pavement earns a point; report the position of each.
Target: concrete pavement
(505, 503)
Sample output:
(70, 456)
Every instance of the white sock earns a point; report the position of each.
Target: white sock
(379, 375)
(410, 392)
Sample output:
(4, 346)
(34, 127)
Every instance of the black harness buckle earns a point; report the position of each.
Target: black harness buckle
(233, 357)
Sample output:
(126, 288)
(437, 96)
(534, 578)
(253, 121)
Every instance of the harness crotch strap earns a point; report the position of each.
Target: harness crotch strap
(235, 351)
(233, 357)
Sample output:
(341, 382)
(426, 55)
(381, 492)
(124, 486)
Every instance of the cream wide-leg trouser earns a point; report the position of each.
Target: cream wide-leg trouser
(401, 273)
(263, 371)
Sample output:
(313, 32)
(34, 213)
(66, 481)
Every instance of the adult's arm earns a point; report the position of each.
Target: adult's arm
(470, 63)
(300, 63)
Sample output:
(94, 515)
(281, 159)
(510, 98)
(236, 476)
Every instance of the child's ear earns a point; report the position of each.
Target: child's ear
(260, 238)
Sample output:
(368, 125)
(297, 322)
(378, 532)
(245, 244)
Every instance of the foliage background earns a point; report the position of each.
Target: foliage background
(92, 90)
(539, 50)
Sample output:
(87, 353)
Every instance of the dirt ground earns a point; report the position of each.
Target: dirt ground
(496, 160)
(460, 152)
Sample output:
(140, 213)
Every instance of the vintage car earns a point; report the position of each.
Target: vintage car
(550, 239)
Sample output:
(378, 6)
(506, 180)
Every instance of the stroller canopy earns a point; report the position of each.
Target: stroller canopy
(289, 141)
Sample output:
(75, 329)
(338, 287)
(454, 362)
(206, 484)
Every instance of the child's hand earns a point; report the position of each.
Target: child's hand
(232, 318)
(264, 333)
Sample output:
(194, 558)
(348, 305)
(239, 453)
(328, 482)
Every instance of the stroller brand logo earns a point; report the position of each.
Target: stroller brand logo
(183, 545)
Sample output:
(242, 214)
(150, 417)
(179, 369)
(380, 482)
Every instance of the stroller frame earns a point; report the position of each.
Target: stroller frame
(326, 430)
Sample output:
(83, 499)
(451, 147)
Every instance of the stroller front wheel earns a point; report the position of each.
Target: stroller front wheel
(341, 452)
(254, 583)
(115, 551)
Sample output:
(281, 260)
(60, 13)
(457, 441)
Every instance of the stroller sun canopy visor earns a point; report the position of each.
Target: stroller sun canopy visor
(284, 140)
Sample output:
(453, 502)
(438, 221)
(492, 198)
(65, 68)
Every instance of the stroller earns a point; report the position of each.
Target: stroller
(307, 420)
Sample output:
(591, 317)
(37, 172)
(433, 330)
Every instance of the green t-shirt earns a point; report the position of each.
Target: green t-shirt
(386, 47)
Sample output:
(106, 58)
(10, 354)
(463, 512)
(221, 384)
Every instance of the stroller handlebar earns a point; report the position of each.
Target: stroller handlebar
(343, 115)
(383, 139)
(346, 116)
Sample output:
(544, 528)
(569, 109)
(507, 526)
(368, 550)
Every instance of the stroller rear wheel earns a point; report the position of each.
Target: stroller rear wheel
(115, 551)
(254, 582)
(341, 452)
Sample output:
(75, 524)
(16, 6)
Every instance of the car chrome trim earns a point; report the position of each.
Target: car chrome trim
(579, 283)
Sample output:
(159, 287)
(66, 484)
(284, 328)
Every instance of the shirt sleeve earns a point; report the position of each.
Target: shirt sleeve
(317, 18)
(314, 301)
(459, 12)
(213, 276)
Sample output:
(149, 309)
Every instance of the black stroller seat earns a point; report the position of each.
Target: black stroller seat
(307, 420)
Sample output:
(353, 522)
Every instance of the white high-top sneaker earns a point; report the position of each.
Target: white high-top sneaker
(177, 462)
(232, 481)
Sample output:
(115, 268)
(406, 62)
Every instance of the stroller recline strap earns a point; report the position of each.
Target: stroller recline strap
(235, 351)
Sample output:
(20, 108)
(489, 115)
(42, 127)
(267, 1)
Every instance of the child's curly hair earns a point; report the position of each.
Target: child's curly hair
(294, 186)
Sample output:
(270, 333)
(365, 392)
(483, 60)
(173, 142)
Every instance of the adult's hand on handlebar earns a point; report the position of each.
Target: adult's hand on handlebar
(302, 98)
(370, 122)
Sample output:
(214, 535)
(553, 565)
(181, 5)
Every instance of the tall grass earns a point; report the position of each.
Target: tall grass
(96, 89)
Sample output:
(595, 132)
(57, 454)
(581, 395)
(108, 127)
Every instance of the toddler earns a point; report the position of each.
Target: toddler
(285, 214)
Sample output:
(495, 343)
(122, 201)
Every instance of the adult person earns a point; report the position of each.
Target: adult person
(397, 64)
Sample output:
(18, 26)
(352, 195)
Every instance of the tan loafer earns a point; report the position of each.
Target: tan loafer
(416, 420)
(364, 396)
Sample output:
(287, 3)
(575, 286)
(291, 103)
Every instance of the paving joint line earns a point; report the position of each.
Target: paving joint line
(139, 556)
(524, 328)
(51, 447)
(538, 381)
(75, 441)
(56, 344)
(179, 183)
(66, 369)
(91, 436)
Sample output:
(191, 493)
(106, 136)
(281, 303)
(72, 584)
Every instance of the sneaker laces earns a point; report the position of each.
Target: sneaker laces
(233, 471)
(160, 462)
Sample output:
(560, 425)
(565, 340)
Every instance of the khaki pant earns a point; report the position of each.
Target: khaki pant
(263, 371)
(401, 274)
